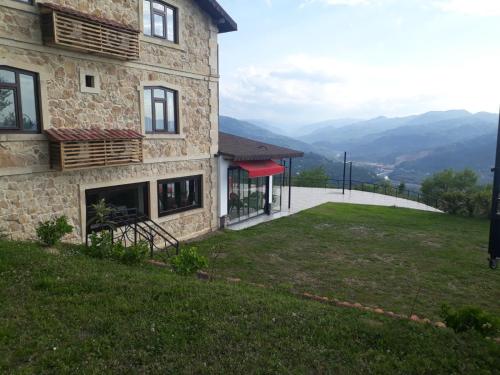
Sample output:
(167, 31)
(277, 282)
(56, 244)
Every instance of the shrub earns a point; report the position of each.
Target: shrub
(52, 231)
(482, 203)
(135, 254)
(455, 203)
(100, 246)
(471, 318)
(188, 262)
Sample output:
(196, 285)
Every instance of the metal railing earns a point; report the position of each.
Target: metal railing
(128, 228)
(384, 189)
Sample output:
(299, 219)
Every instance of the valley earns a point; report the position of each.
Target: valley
(405, 149)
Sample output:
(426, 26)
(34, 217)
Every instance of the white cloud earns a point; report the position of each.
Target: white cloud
(308, 86)
(483, 8)
(340, 2)
(470, 7)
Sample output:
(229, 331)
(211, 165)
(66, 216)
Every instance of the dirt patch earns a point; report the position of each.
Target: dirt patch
(52, 251)
(324, 226)
(430, 243)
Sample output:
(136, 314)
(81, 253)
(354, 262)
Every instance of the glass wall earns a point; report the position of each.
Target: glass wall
(276, 193)
(247, 197)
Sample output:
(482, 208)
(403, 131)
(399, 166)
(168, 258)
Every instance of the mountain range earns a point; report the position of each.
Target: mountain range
(403, 148)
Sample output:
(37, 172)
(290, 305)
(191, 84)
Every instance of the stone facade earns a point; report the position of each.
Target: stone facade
(30, 191)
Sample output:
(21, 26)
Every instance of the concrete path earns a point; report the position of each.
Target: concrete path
(305, 198)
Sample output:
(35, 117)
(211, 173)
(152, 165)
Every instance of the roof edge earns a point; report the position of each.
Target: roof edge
(222, 19)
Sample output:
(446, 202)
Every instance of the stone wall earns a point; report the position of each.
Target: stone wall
(31, 192)
(192, 53)
(27, 199)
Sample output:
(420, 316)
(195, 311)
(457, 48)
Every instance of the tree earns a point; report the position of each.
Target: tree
(449, 181)
(457, 193)
(401, 187)
(315, 177)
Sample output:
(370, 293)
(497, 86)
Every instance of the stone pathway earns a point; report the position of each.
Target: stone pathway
(305, 198)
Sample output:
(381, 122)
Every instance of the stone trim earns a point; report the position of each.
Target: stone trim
(153, 195)
(29, 45)
(161, 42)
(13, 171)
(166, 219)
(22, 137)
(43, 76)
(180, 109)
(30, 8)
(45, 168)
(167, 159)
(97, 81)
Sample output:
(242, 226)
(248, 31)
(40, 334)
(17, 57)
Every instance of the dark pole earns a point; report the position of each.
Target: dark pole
(343, 176)
(290, 183)
(494, 218)
(350, 175)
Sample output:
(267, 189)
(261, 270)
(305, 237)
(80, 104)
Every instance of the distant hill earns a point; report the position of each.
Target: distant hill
(249, 130)
(477, 154)
(311, 159)
(418, 145)
(406, 148)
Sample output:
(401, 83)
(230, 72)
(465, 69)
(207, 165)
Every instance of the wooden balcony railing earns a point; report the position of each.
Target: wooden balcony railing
(81, 149)
(67, 28)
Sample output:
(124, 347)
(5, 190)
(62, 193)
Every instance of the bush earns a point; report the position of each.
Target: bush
(102, 247)
(188, 262)
(471, 318)
(52, 231)
(135, 254)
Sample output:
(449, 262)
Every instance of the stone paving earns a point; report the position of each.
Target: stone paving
(305, 198)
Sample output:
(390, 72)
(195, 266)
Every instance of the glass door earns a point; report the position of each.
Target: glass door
(246, 196)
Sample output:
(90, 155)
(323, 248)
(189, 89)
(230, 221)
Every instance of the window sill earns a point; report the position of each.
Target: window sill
(164, 219)
(161, 42)
(164, 136)
(22, 137)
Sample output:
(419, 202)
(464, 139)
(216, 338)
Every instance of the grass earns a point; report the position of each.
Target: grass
(398, 259)
(66, 313)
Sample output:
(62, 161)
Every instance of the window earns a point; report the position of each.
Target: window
(160, 110)
(160, 20)
(179, 194)
(124, 200)
(90, 81)
(19, 106)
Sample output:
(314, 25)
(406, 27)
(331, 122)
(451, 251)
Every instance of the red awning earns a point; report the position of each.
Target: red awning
(261, 168)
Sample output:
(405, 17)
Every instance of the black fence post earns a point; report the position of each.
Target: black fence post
(350, 176)
(343, 176)
(290, 183)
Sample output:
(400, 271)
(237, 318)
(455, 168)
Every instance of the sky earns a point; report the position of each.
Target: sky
(304, 61)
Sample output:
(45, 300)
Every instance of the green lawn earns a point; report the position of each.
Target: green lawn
(387, 257)
(67, 313)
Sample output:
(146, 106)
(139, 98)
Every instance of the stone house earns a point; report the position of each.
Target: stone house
(114, 100)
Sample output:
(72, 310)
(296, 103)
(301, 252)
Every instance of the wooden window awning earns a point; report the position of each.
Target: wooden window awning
(69, 28)
(72, 149)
